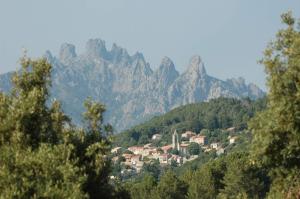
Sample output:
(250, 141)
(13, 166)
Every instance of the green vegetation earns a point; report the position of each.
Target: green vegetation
(168, 187)
(276, 144)
(230, 176)
(42, 155)
(194, 149)
(219, 113)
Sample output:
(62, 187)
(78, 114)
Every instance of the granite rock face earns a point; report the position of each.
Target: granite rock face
(130, 89)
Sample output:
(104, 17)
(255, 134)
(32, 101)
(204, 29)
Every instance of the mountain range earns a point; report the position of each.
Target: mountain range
(131, 90)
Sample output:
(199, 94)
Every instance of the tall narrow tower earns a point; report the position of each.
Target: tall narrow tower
(175, 141)
(178, 146)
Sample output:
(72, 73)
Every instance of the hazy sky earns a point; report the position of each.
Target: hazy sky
(229, 35)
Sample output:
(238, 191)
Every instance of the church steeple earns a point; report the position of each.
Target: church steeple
(175, 141)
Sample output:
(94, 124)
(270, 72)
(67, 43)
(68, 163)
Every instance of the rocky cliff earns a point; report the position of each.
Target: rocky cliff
(127, 85)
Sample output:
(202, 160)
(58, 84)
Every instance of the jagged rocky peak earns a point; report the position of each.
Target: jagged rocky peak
(140, 65)
(166, 62)
(167, 67)
(127, 84)
(138, 60)
(166, 72)
(67, 53)
(118, 54)
(48, 56)
(196, 66)
(95, 48)
(255, 91)
(138, 56)
(237, 81)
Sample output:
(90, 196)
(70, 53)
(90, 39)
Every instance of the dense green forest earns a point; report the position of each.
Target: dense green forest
(44, 155)
(229, 176)
(218, 113)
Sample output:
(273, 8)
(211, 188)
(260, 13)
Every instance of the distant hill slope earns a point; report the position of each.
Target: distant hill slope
(219, 113)
(127, 85)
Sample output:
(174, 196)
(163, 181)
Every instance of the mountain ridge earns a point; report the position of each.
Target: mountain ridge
(132, 91)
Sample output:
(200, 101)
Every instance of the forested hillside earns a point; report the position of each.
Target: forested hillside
(217, 120)
(219, 113)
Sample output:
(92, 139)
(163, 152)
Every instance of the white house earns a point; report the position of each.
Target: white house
(232, 139)
(156, 136)
(215, 145)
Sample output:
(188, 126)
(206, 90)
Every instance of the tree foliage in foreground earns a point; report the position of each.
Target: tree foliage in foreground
(230, 176)
(168, 187)
(42, 155)
(276, 130)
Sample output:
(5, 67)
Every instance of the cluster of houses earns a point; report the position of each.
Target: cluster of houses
(138, 155)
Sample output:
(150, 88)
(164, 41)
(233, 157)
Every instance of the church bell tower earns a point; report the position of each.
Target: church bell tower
(175, 141)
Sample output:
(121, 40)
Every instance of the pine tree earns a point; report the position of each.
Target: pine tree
(170, 187)
(242, 179)
(34, 162)
(206, 181)
(277, 130)
(143, 189)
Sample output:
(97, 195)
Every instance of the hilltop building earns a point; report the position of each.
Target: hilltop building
(184, 148)
(199, 139)
(156, 137)
(116, 150)
(232, 140)
(188, 134)
(215, 145)
(167, 148)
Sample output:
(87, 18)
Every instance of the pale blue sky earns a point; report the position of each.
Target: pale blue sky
(229, 35)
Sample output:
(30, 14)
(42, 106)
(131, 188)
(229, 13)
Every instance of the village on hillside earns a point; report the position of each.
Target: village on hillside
(179, 152)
